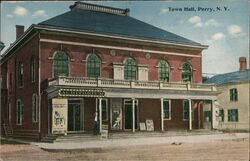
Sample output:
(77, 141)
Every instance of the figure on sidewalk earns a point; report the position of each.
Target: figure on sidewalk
(95, 124)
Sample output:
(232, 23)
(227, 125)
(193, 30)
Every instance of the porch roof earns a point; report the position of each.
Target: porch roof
(54, 91)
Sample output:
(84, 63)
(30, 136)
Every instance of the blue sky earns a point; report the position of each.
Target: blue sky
(225, 31)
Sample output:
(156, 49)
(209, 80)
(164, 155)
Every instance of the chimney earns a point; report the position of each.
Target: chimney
(19, 31)
(243, 63)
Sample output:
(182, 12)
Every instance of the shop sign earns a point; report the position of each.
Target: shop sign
(59, 116)
(81, 92)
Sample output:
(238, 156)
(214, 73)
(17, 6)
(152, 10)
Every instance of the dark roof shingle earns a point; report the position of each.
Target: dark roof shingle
(106, 23)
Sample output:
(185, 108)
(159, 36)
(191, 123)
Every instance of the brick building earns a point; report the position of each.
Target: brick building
(96, 58)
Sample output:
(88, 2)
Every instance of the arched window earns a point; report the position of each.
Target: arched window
(32, 69)
(186, 72)
(35, 110)
(93, 66)
(61, 64)
(163, 70)
(130, 69)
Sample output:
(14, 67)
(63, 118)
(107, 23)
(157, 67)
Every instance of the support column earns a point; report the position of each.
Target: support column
(162, 120)
(100, 114)
(133, 113)
(190, 114)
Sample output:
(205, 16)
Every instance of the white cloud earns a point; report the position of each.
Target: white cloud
(40, 13)
(194, 19)
(9, 15)
(163, 11)
(234, 30)
(197, 22)
(20, 11)
(218, 36)
(211, 22)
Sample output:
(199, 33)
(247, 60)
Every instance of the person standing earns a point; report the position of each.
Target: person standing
(95, 124)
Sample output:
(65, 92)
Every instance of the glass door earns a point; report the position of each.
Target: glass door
(129, 114)
(75, 116)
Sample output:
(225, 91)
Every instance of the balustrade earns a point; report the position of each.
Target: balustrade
(100, 82)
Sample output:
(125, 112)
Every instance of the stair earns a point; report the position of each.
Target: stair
(69, 138)
(8, 131)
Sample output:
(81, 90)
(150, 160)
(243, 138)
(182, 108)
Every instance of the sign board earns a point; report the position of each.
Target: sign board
(67, 92)
(150, 125)
(215, 117)
(59, 116)
(142, 126)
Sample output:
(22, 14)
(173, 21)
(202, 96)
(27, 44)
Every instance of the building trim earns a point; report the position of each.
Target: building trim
(60, 29)
(116, 47)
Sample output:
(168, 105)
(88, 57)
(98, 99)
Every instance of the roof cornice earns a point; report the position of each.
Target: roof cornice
(161, 42)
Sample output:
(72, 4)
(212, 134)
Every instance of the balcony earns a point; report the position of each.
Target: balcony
(134, 84)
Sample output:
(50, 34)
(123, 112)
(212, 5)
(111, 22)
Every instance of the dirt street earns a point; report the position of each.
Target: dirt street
(219, 150)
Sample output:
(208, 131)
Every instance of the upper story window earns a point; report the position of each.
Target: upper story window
(32, 69)
(20, 112)
(61, 64)
(233, 94)
(10, 82)
(93, 66)
(163, 70)
(186, 72)
(20, 74)
(130, 69)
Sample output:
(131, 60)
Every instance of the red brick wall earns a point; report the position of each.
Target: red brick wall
(24, 54)
(78, 55)
(150, 109)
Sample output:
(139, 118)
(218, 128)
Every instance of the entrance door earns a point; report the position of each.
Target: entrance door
(75, 115)
(129, 114)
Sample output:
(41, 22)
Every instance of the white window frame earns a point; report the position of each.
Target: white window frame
(19, 118)
(97, 107)
(35, 108)
(169, 105)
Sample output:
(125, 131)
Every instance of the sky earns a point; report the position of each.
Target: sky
(220, 24)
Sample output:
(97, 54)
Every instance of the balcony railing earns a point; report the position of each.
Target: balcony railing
(111, 83)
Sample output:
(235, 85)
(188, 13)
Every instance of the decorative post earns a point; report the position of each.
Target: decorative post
(100, 114)
(133, 113)
(162, 121)
(190, 114)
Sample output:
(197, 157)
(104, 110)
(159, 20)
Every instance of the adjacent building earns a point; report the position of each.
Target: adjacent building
(94, 58)
(233, 100)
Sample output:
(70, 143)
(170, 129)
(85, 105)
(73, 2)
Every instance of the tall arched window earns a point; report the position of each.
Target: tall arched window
(187, 72)
(163, 70)
(130, 69)
(93, 66)
(32, 69)
(61, 64)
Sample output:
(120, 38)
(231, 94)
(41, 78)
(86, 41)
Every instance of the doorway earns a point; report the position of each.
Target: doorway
(75, 115)
(128, 105)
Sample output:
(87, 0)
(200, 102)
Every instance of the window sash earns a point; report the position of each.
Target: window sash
(35, 108)
(93, 66)
(185, 110)
(163, 71)
(233, 115)
(61, 64)
(166, 110)
(233, 94)
(186, 73)
(20, 112)
(20, 74)
(130, 69)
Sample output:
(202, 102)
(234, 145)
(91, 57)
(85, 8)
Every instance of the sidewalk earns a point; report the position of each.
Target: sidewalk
(128, 142)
